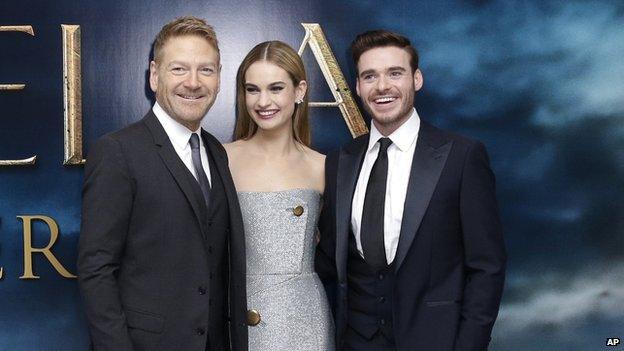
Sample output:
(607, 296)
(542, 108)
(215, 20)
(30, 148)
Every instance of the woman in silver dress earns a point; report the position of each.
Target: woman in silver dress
(279, 180)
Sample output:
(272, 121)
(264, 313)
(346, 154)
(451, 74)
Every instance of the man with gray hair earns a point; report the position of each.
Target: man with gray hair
(161, 262)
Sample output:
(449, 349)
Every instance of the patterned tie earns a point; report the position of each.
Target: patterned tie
(199, 169)
(372, 231)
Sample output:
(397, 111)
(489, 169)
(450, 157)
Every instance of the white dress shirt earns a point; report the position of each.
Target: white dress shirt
(179, 136)
(400, 154)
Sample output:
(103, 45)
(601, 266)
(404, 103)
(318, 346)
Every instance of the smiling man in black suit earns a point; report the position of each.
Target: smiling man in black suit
(161, 261)
(410, 228)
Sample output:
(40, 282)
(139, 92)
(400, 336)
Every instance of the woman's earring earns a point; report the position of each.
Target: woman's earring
(298, 101)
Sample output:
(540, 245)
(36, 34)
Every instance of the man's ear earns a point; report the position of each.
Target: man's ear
(153, 79)
(418, 80)
(218, 79)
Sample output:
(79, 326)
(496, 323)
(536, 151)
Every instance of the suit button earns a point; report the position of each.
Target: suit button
(382, 321)
(210, 249)
(201, 290)
(200, 331)
(381, 276)
(382, 299)
(298, 211)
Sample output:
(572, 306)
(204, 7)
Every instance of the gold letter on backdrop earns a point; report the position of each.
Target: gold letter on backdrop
(334, 77)
(28, 30)
(29, 250)
(72, 95)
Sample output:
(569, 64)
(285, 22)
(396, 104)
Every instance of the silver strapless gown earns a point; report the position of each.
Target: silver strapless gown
(281, 283)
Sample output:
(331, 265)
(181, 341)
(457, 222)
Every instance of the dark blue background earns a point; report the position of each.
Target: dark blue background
(541, 83)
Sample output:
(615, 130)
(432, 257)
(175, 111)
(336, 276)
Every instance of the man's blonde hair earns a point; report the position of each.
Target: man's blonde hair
(187, 25)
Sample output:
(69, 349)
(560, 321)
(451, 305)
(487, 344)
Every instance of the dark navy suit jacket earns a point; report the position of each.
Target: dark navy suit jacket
(450, 262)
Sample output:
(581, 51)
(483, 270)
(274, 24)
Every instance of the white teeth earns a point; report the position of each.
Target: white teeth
(385, 99)
(267, 113)
(190, 97)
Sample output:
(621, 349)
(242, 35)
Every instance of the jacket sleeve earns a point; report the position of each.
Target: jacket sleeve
(484, 252)
(106, 207)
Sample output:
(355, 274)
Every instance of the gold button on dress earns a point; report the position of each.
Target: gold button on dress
(298, 211)
(253, 318)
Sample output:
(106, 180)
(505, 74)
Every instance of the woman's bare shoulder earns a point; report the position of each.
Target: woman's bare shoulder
(316, 162)
(234, 147)
(315, 157)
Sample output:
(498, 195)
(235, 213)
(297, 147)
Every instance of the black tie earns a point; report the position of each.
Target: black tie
(372, 231)
(199, 169)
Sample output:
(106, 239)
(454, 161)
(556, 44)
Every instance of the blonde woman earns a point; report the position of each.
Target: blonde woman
(279, 180)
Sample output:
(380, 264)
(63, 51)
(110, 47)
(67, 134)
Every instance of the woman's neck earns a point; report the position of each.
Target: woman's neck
(275, 143)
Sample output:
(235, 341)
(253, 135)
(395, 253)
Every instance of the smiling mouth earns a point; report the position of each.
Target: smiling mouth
(190, 97)
(385, 100)
(266, 113)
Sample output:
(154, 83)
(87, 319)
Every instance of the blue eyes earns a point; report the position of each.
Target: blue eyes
(178, 71)
(391, 75)
(254, 90)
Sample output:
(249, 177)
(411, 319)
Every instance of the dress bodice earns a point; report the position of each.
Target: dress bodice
(283, 291)
(280, 228)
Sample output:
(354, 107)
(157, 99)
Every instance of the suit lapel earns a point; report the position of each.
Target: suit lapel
(428, 161)
(349, 163)
(176, 167)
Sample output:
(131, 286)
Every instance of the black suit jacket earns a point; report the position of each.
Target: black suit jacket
(450, 261)
(146, 257)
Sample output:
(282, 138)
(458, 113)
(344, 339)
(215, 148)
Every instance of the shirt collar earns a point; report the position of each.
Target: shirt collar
(177, 133)
(403, 137)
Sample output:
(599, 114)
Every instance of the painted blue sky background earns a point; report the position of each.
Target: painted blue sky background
(541, 83)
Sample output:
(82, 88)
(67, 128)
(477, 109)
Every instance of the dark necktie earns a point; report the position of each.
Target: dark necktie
(199, 169)
(372, 230)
